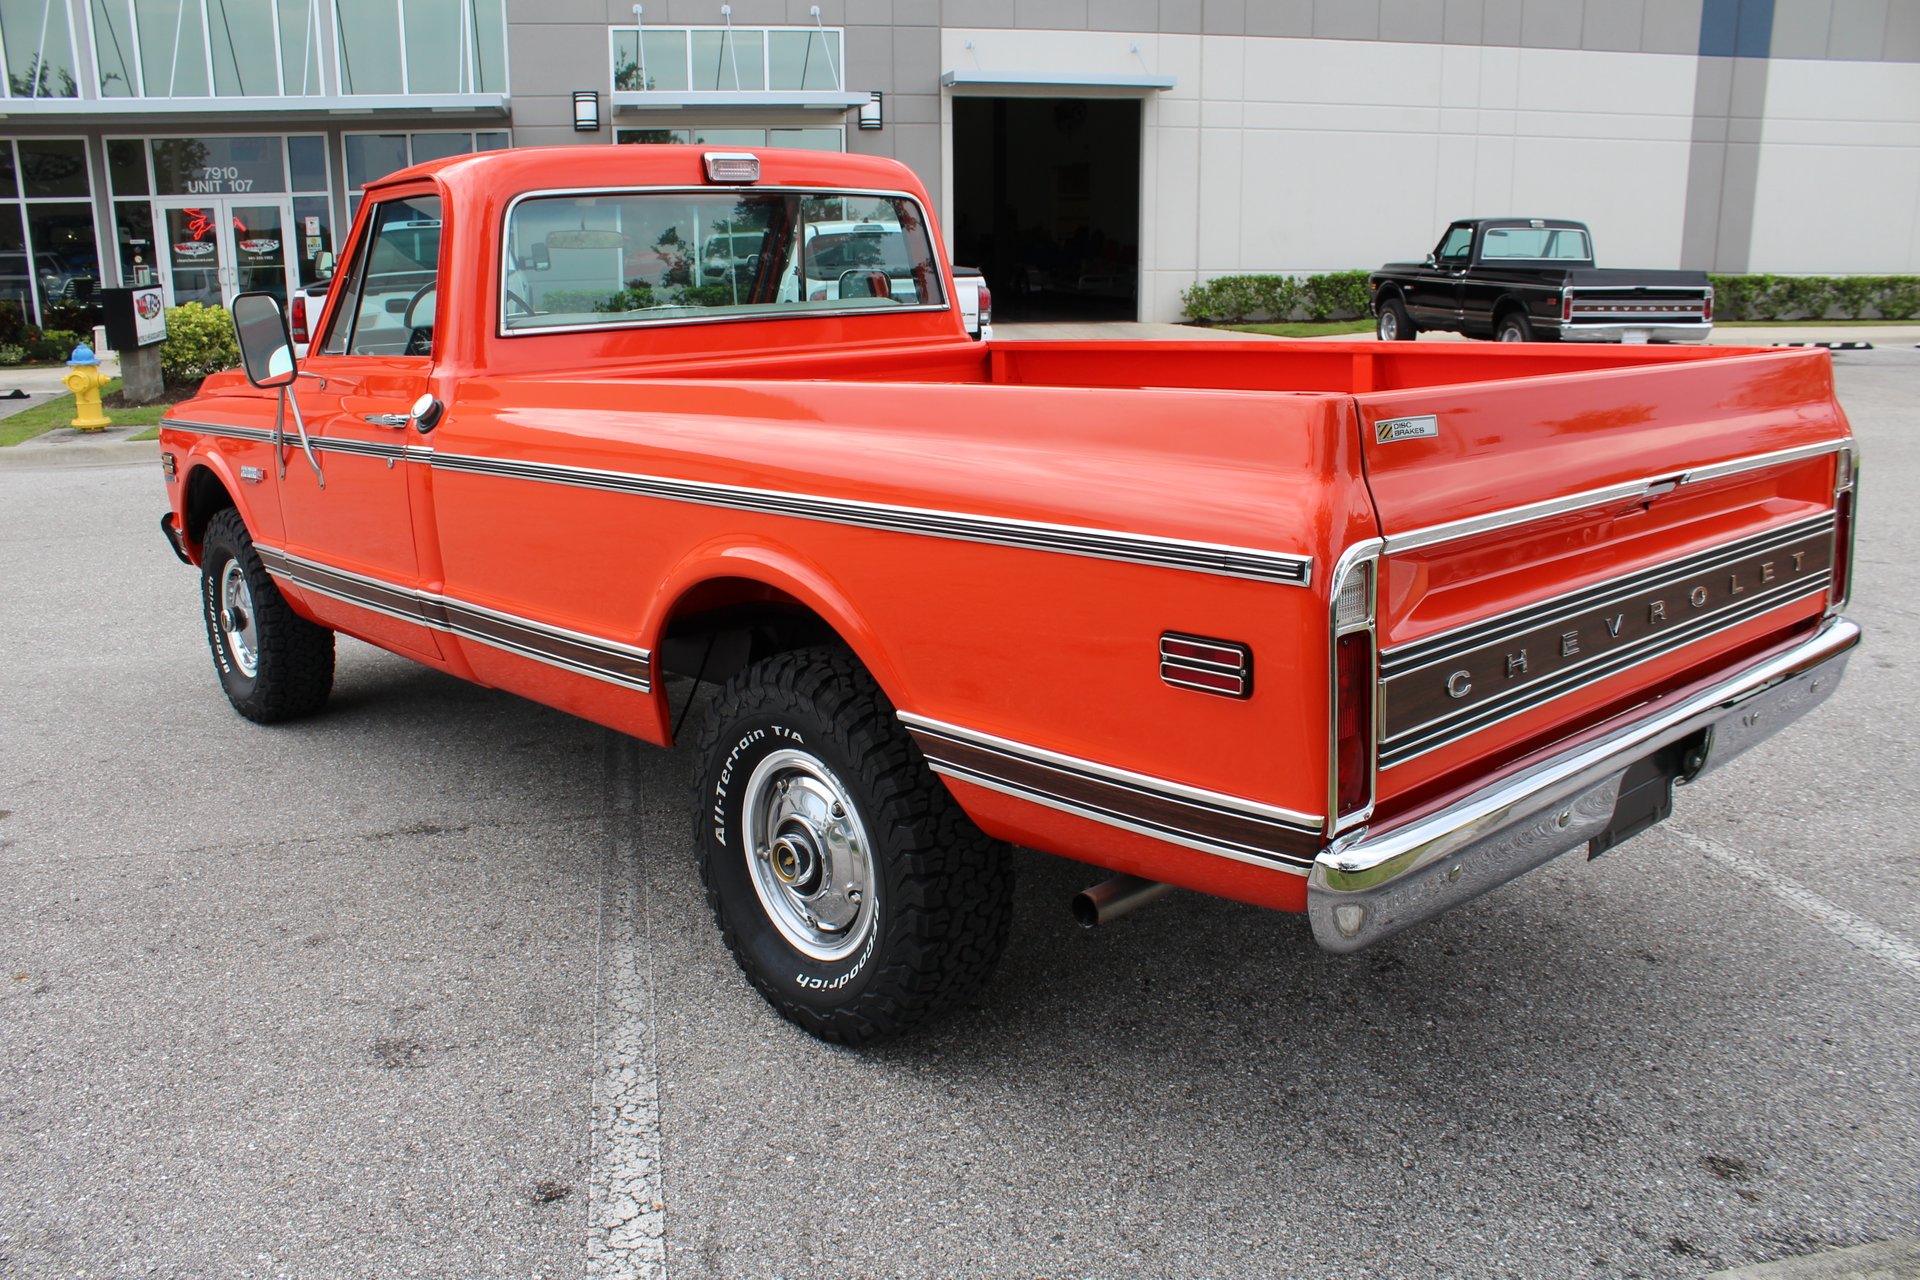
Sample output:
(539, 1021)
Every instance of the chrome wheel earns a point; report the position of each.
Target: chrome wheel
(1389, 326)
(808, 855)
(238, 625)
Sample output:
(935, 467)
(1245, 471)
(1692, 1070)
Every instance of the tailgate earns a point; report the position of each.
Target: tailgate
(1559, 549)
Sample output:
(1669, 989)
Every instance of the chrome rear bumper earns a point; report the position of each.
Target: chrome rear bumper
(1382, 883)
(1628, 331)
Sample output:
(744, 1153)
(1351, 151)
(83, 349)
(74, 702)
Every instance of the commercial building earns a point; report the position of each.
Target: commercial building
(1093, 156)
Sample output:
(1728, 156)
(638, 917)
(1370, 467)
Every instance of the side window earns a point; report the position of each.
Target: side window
(1457, 244)
(389, 294)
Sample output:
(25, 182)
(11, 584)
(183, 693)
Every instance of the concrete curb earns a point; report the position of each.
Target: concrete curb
(1885, 1260)
(101, 453)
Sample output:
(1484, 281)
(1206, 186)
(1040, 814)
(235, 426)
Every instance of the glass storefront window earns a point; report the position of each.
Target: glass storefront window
(173, 49)
(53, 167)
(421, 46)
(831, 139)
(65, 253)
(438, 146)
(436, 41)
(375, 155)
(808, 139)
(243, 59)
(114, 48)
(368, 33)
(307, 158)
(126, 167)
(49, 254)
(664, 67)
(728, 59)
(16, 286)
(313, 222)
(134, 232)
(300, 26)
(662, 137)
(217, 166)
(723, 60)
(163, 48)
(39, 48)
(803, 59)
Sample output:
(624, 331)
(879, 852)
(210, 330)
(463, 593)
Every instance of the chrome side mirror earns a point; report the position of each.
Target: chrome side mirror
(266, 347)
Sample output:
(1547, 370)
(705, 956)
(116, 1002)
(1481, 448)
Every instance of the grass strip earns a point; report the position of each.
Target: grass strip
(1305, 328)
(58, 412)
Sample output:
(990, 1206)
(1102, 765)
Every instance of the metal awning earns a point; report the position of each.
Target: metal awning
(759, 99)
(987, 78)
(110, 110)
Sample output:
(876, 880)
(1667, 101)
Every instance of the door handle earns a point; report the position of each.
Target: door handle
(398, 421)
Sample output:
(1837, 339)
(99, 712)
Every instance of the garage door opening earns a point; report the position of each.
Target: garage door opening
(1046, 202)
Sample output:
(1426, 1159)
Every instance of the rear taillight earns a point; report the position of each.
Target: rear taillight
(298, 320)
(1353, 723)
(1353, 753)
(986, 306)
(1707, 312)
(1566, 307)
(1845, 485)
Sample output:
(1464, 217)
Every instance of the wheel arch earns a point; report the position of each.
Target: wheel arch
(209, 490)
(726, 607)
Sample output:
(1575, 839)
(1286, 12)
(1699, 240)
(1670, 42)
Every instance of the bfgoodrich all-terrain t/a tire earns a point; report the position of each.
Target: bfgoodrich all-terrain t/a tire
(273, 663)
(853, 892)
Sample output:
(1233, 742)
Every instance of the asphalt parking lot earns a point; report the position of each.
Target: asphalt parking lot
(426, 987)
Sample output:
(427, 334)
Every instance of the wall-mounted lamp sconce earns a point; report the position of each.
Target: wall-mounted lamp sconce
(870, 117)
(586, 110)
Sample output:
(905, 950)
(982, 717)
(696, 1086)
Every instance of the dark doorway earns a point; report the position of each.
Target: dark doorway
(1046, 202)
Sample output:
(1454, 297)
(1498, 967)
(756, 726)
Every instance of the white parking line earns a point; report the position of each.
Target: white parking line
(626, 1207)
(1865, 934)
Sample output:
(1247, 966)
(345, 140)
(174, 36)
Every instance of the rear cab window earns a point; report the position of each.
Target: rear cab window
(610, 259)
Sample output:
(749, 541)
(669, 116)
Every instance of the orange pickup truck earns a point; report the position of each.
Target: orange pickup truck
(1349, 629)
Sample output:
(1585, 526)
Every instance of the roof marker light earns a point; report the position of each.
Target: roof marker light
(732, 166)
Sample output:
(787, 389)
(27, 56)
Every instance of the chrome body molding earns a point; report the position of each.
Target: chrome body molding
(1365, 889)
(1209, 821)
(1220, 559)
(389, 450)
(574, 651)
(1629, 490)
(1103, 544)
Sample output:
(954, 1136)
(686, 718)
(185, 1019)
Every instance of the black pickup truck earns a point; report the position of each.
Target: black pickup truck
(1533, 280)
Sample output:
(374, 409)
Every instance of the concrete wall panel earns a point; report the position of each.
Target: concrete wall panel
(1859, 28)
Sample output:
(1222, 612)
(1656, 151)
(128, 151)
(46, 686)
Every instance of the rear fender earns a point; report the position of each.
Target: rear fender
(785, 569)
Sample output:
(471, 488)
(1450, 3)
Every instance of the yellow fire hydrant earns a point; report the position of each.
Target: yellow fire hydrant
(85, 380)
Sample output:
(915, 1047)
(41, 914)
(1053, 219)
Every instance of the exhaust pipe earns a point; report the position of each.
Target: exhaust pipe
(1110, 899)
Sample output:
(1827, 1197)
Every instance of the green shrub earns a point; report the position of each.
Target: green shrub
(53, 346)
(1852, 295)
(1237, 299)
(199, 341)
(12, 355)
(1275, 296)
(1897, 297)
(1341, 295)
